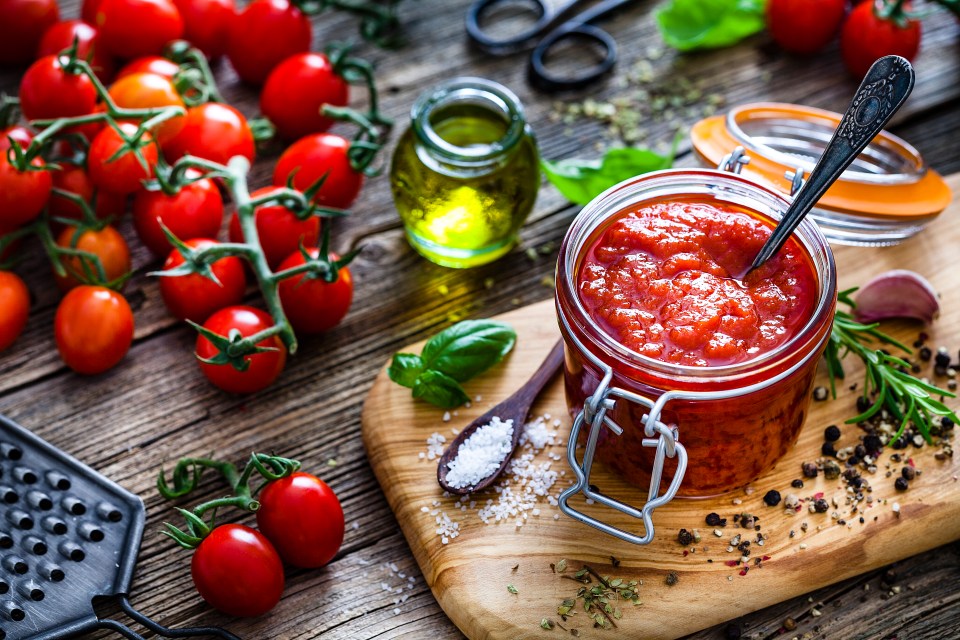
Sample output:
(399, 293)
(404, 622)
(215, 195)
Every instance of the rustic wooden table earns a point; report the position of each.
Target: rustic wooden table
(156, 407)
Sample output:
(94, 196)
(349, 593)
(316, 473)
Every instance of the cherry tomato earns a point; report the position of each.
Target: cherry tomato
(14, 307)
(93, 329)
(148, 90)
(212, 131)
(280, 232)
(22, 24)
(20, 134)
(107, 244)
(867, 37)
(310, 158)
(804, 26)
(296, 91)
(88, 11)
(237, 571)
(150, 64)
(263, 35)
(23, 194)
(124, 174)
(61, 36)
(207, 24)
(74, 179)
(264, 367)
(196, 211)
(303, 519)
(195, 297)
(47, 91)
(314, 305)
(132, 28)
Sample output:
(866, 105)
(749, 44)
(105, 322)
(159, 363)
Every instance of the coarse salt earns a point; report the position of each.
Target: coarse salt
(481, 454)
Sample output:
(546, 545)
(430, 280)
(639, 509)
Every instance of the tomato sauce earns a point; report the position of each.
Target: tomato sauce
(665, 280)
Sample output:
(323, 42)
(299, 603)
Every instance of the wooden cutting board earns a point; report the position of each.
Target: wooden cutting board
(470, 574)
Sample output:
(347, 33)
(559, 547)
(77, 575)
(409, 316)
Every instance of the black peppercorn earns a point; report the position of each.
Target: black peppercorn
(820, 394)
(831, 470)
(828, 449)
(672, 579)
(908, 473)
(821, 506)
(901, 484)
(900, 443)
(873, 443)
(714, 520)
(810, 469)
(862, 404)
(831, 433)
(797, 484)
(772, 498)
(889, 576)
(942, 359)
(925, 353)
(860, 451)
(946, 423)
(684, 537)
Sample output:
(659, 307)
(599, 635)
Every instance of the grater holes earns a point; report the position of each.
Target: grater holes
(90, 531)
(26, 475)
(34, 545)
(4, 586)
(73, 505)
(51, 571)
(50, 524)
(58, 481)
(20, 519)
(8, 495)
(6, 540)
(39, 500)
(12, 611)
(71, 551)
(10, 451)
(31, 590)
(108, 512)
(16, 564)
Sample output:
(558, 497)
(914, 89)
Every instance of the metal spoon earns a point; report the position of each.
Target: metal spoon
(515, 408)
(883, 91)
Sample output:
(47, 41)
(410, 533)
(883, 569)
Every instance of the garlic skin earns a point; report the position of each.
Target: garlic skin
(898, 293)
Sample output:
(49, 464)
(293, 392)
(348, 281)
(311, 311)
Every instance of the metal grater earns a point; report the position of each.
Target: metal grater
(67, 536)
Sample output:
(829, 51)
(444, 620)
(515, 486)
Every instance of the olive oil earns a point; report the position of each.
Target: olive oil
(466, 174)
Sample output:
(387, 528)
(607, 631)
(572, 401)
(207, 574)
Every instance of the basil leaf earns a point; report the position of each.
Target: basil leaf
(405, 368)
(709, 24)
(439, 389)
(580, 181)
(468, 348)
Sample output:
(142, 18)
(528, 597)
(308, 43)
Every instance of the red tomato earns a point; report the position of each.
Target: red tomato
(264, 367)
(313, 305)
(150, 64)
(237, 571)
(23, 194)
(296, 91)
(22, 24)
(263, 35)
(88, 11)
(107, 244)
(195, 297)
(14, 307)
(281, 232)
(207, 24)
(804, 26)
(61, 36)
(196, 211)
(303, 519)
(93, 329)
(214, 132)
(124, 174)
(867, 37)
(149, 90)
(132, 28)
(20, 134)
(74, 179)
(47, 91)
(310, 158)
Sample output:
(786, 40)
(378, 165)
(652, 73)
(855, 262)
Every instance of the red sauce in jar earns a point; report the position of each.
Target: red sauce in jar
(662, 279)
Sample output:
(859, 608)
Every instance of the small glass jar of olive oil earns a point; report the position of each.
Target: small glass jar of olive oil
(465, 175)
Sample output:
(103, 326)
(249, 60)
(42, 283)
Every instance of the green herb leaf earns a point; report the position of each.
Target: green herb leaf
(468, 348)
(405, 368)
(546, 623)
(512, 589)
(580, 181)
(709, 24)
(439, 389)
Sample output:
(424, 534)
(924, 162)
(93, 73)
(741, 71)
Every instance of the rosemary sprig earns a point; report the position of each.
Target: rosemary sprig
(906, 398)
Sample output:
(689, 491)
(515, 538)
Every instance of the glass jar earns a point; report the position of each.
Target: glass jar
(704, 430)
(465, 174)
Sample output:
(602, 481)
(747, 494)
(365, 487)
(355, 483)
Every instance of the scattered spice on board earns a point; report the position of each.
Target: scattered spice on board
(600, 600)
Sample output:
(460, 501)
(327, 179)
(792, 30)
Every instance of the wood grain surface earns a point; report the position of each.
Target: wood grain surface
(155, 407)
(469, 574)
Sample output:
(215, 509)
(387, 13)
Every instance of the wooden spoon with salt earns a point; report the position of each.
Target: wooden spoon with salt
(515, 408)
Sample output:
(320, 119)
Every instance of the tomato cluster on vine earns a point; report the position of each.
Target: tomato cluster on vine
(123, 114)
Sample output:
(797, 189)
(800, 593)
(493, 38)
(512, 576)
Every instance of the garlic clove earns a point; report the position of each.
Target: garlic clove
(898, 293)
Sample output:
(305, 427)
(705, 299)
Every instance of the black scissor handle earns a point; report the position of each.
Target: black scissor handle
(540, 8)
(543, 79)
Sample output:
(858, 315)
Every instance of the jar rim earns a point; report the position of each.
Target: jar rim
(480, 91)
(607, 205)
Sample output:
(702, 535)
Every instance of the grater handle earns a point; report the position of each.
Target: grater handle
(158, 628)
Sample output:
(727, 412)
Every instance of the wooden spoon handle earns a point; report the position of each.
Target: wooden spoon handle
(543, 375)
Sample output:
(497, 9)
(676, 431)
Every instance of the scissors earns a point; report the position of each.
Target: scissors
(551, 27)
